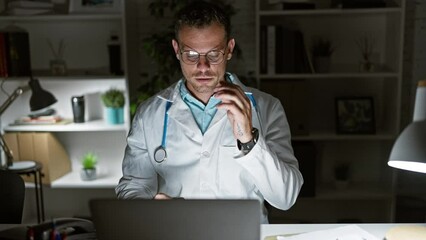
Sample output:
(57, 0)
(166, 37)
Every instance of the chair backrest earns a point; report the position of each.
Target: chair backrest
(12, 195)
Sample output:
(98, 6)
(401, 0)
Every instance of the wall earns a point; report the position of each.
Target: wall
(243, 31)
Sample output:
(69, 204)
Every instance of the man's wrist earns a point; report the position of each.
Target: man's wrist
(248, 146)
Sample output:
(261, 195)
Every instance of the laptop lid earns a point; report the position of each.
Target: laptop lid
(176, 219)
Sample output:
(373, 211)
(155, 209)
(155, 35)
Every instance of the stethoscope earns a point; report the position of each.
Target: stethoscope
(160, 154)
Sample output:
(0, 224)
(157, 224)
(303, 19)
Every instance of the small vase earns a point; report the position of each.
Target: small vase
(322, 64)
(58, 67)
(366, 66)
(88, 174)
(115, 115)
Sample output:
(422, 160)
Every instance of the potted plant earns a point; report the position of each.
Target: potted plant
(366, 46)
(341, 175)
(322, 49)
(88, 171)
(113, 101)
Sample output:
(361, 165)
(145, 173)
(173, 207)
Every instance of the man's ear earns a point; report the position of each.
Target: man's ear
(176, 48)
(231, 45)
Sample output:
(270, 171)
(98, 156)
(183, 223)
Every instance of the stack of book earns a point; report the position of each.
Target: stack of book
(283, 50)
(29, 7)
(41, 120)
(14, 52)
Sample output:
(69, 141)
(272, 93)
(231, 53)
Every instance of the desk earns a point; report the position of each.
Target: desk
(36, 171)
(378, 230)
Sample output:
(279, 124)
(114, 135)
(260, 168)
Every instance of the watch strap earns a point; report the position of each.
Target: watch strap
(248, 146)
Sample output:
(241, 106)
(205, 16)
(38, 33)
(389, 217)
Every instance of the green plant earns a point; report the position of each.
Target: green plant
(89, 160)
(322, 47)
(113, 98)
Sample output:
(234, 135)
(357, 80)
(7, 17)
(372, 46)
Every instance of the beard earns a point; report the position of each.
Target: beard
(204, 88)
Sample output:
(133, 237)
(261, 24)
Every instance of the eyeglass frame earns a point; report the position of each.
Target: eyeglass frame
(205, 56)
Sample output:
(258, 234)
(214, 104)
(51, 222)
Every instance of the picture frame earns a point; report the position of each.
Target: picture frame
(355, 115)
(95, 6)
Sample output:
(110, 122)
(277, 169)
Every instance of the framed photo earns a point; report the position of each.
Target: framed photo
(95, 6)
(355, 115)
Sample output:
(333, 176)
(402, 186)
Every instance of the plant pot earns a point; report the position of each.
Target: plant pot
(88, 174)
(341, 184)
(114, 115)
(322, 64)
(366, 66)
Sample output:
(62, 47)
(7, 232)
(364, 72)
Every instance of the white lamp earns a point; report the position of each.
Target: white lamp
(409, 150)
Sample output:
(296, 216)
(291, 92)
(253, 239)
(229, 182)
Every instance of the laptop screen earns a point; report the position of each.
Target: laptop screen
(176, 219)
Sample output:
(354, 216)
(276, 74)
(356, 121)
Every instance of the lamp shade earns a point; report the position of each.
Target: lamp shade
(40, 98)
(409, 150)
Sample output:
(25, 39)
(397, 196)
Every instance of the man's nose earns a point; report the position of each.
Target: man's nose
(203, 62)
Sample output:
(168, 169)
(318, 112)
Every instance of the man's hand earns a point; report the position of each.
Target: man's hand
(238, 109)
(162, 196)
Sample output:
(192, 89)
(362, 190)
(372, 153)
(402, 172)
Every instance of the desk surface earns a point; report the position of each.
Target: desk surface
(378, 230)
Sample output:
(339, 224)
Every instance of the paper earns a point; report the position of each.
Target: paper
(349, 232)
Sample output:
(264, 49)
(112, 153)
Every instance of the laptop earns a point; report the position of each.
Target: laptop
(176, 219)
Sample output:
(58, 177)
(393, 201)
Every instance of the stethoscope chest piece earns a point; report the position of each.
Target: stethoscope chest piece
(160, 154)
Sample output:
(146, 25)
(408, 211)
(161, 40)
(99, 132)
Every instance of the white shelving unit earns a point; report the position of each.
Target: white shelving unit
(371, 180)
(86, 54)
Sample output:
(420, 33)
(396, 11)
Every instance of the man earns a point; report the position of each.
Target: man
(209, 136)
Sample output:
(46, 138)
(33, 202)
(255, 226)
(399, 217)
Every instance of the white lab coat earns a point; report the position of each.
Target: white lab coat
(210, 165)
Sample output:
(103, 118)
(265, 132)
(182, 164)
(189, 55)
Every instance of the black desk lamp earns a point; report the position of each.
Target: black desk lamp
(39, 100)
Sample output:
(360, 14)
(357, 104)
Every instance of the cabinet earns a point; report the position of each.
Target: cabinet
(309, 98)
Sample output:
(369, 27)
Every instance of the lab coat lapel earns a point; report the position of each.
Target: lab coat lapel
(181, 113)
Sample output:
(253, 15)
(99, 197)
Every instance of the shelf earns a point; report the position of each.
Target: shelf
(363, 191)
(73, 180)
(313, 12)
(324, 136)
(97, 125)
(329, 75)
(61, 17)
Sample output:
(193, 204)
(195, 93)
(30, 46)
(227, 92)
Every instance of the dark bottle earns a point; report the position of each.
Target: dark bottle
(77, 103)
(114, 52)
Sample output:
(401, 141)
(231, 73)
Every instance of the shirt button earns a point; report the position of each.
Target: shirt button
(206, 154)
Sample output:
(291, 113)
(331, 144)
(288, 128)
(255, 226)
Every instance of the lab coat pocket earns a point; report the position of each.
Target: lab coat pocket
(231, 178)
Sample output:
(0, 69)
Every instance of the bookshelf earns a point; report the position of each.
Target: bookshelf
(309, 99)
(86, 39)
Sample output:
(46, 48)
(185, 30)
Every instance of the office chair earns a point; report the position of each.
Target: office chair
(12, 195)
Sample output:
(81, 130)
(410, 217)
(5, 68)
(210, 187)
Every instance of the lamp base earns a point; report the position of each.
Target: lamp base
(22, 165)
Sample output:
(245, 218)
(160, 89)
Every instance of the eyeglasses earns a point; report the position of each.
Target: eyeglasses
(192, 57)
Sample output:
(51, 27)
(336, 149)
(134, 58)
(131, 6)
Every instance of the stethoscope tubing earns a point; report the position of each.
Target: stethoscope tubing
(160, 154)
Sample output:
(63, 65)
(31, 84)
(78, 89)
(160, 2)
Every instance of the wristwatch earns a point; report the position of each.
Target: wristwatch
(248, 146)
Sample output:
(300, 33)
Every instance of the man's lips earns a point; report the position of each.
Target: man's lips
(203, 79)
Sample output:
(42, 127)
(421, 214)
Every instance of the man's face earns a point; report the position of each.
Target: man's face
(203, 75)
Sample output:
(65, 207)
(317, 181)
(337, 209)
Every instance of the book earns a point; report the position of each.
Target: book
(54, 119)
(3, 56)
(17, 51)
(29, 4)
(263, 50)
(271, 48)
(17, 11)
(285, 54)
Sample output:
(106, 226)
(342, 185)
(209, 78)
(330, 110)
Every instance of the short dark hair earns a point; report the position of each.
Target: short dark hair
(201, 14)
